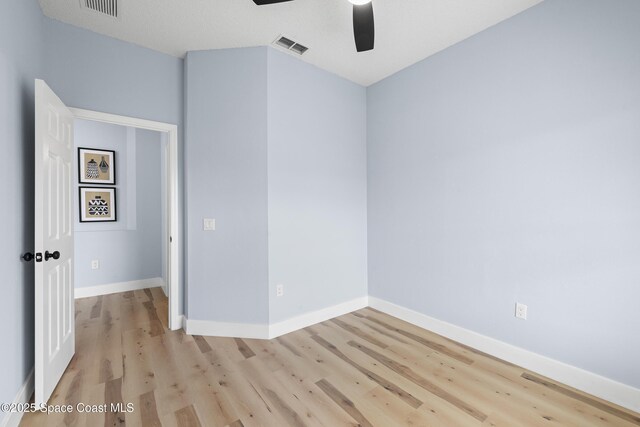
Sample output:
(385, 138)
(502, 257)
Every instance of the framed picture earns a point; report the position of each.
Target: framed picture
(97, 204)
(96, 166)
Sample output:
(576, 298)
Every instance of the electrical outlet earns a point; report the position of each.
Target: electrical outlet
(521, 311)
(209, 224)
(279, 290)
(95, 264)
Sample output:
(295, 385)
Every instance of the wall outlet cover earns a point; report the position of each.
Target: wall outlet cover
(521, 311)
(95, 264)
(279, 290)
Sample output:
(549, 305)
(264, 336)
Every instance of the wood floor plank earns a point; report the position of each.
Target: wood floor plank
(247, 402)
(359, 333)
(244, 349)
(265, 350)
(171, 387)
(427, 343)
(162, 309)
(73, 397)
(291, 408)
(156, 324)
(371, 325)
(635, 419)
(278, 357)
(148, 410)
(187, 417)
(350, 381)
(343, 402)
(380, 405)
(393, 388)
(421, 381)
(481, 391)
(317, 402)
(438, 412)
(138, 376)
(113, 395)
(212, 404)
(288, 346)
(109, 361)
(310, 330)
(202, 343)
(97, 308)
(291, 416)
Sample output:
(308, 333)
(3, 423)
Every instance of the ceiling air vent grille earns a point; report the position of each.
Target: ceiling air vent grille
(106, 7)
(288, 44)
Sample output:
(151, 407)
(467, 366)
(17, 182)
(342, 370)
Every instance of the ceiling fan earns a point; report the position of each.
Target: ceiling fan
(363, 26)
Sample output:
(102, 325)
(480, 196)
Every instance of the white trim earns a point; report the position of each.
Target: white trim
(314, 317)
(112, 288)
(115, 119)
(224, 329)
(173, 189)
(12, 419)
(604, 388)
(266, 331)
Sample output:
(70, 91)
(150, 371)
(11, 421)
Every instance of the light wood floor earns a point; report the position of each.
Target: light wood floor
(364, 368)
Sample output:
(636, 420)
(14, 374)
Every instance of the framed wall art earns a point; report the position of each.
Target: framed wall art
(96, 166)
(97, 204)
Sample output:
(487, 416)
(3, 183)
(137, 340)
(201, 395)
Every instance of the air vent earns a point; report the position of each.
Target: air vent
(299, 49)
(285, 42)
(105, 7)
(288, 44)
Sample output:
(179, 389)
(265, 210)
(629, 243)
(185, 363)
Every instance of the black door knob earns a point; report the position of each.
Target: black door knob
(55, 255)
(27, 256)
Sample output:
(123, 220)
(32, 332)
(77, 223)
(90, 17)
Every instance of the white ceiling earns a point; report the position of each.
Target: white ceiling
(407, 31)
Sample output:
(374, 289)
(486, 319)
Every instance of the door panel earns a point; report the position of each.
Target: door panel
(54, 297)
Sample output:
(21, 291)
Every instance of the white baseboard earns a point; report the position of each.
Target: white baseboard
(225, 329)
(12, 419)
(308, 319)
(112, 288)
(604, 388)
(266, 331)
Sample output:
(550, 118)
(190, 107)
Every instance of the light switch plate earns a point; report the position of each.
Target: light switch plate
(208, 224)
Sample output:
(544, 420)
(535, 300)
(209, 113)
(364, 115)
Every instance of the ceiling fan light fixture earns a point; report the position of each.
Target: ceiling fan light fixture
(359, 2)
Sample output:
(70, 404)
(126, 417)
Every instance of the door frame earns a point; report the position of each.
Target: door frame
(173, 197)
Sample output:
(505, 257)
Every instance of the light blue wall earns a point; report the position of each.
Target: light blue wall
(21, 50)
(130, 248)
(506, 169)
(95, 72)
(148, 242)
(226, 177)
(317, 179)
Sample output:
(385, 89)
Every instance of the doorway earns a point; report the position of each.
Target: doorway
(170, 231)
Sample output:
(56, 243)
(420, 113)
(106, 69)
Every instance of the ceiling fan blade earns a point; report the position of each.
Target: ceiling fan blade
(263, 2)
(363, 27)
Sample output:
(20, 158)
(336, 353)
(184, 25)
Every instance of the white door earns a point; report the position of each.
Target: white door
(54, 308)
